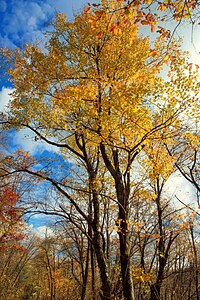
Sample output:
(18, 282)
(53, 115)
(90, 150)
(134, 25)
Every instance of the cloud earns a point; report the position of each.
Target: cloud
(5, 98)
(178, 186)
(25, 140)
(23, 20)
(39, 225)
(43, 231)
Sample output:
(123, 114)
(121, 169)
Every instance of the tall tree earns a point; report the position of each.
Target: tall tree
(95, 93)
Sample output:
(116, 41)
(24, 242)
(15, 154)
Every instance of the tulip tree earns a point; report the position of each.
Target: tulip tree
(95, 92)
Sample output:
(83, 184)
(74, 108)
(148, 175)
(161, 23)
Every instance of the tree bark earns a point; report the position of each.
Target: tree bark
(97, 244)
(155, 291)
(106, 285)
(122, 192)
(85, 274)
(126, 272)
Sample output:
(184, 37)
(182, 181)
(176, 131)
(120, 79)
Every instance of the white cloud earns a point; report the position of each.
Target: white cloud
(43, 231)
(5, 98)
(177, 187)
(23, 20)
(25, 139)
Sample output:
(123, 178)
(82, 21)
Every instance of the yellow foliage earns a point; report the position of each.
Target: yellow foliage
(97, 78)
(139, 275)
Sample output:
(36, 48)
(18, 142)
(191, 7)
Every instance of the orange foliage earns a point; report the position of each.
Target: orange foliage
(10, 219)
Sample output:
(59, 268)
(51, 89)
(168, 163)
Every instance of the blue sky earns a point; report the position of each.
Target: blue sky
(24, 21)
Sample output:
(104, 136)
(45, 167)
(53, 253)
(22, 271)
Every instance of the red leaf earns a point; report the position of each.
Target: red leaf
(86, 9)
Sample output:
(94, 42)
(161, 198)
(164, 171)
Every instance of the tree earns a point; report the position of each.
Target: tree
(13, 264)
(12, 224)
(96, 94)
(10, 217)
(155, 14)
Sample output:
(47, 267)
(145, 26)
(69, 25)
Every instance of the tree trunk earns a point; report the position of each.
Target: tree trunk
(195, 262)
(97, 244)
(106, 286)
(122, 192)
(126, 272)
(162, 253)
(155, 291)
(85, 274)
(93, 273)
(124, 238)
